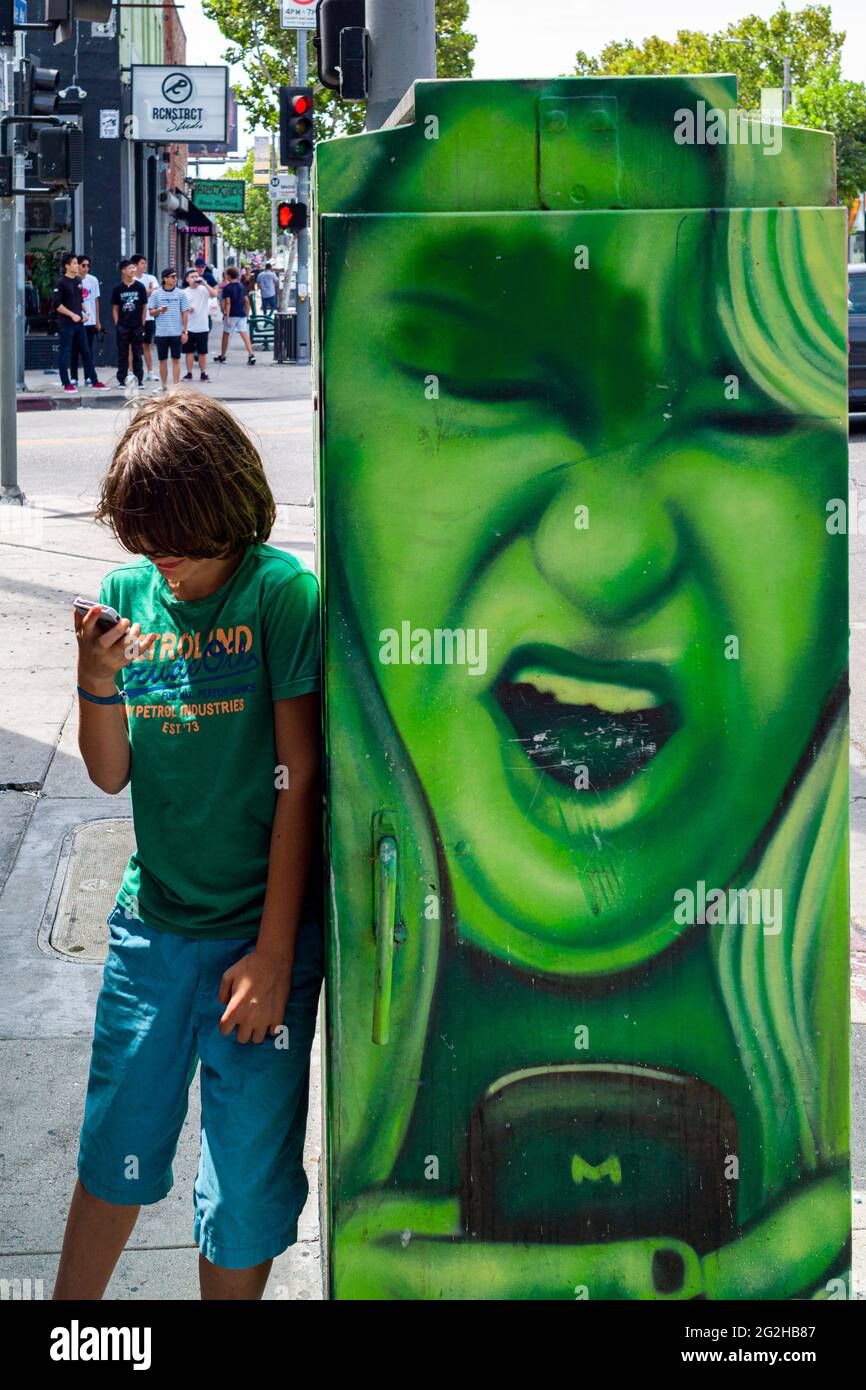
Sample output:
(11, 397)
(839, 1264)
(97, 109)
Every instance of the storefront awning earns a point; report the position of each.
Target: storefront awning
(197, 223)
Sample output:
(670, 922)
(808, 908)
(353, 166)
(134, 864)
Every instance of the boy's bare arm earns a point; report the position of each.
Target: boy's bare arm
(297, 822)
(103, 730)
(256, 989)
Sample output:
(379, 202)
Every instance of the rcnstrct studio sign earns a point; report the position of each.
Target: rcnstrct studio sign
(178, 103)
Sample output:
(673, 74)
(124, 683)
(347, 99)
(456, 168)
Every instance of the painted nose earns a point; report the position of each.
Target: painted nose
(607, 542)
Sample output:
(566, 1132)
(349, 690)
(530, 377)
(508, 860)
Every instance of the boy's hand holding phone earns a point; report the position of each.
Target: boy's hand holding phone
(106, 643)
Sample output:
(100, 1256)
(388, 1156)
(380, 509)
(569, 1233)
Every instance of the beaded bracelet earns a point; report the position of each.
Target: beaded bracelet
(116, 699)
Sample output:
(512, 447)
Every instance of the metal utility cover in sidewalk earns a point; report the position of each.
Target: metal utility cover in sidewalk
(89, 870)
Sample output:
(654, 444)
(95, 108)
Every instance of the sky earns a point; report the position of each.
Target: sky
(539, 38)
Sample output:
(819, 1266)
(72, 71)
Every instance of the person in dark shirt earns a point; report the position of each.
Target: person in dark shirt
(129, 307)
(68, 304)
(235, 303)
(205, 272)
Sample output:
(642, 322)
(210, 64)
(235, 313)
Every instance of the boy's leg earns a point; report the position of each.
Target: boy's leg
(216, 1283)
(162, 346)
(141, 1067)
(96, 1233)
(85, 353)
(137, 363)
(250, 1194)
(124, 350)
(247, 342)
(64, 351)
(175, 362)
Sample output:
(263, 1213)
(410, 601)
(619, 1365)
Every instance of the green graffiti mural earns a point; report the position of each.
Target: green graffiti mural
(582, 410)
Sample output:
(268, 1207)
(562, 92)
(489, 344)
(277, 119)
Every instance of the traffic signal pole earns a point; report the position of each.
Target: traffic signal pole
(402, 49)
(9, 489)
(302, 282)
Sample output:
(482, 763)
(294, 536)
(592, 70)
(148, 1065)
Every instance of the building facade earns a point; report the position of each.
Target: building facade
(134, 196)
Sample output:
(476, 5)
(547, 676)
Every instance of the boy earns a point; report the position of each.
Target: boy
(199, 295)
(170, 307)
(90, 294)
(236, 312)
(129, 309)
(217, 928)
(150, 283)
(68, 304)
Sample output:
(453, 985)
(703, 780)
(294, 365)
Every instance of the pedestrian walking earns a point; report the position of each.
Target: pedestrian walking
(90, 308)
(215, 942)
(236, 313)
(267, 283)
(169, 306)
(129, 308)
(205, 271)
(68, 305)
(150, 283)
(199, 296)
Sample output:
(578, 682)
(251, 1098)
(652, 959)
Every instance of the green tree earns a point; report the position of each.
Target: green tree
(250, 231)
(753, 48)
(828, 102)
(267, 53)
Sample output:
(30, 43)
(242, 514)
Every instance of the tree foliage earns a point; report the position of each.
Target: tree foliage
(828, 102)
(753, 48)
(267, 54)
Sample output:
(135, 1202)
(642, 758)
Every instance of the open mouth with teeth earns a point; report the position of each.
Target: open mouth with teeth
(569, 714)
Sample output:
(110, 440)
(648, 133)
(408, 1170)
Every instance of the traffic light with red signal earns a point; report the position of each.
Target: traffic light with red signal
(297, 134)
(291, 217)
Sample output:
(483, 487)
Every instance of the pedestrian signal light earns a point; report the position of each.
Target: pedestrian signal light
(291, 217)
(297, 131)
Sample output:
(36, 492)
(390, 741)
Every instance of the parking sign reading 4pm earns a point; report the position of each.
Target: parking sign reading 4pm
(297, 14)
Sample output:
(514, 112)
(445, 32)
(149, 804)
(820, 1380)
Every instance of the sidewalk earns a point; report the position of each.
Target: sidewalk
(48, 999)
(230, 382)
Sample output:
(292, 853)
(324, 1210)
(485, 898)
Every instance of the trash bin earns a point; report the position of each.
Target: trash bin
(285, 337)
(583, 436)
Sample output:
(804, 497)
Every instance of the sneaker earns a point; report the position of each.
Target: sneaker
(204, 377)
(187, 376)
(71, 390)
(98, 386)
(219, 359)
(120, 383)
(251, 361)
(151, 376)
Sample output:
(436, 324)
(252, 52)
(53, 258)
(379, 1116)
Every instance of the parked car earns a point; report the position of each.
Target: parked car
(857, 337)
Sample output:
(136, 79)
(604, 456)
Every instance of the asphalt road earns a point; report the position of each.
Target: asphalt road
(66, 452)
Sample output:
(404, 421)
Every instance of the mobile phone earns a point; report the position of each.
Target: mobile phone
(109, 617)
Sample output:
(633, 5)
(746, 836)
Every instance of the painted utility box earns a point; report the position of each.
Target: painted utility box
(583, 434)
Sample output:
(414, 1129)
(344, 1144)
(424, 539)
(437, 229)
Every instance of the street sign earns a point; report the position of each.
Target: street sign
(220, 195)
(282, 186)
(297, 14)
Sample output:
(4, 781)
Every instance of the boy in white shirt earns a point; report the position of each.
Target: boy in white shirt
(90, 313)
(199, 295)
(150, 283)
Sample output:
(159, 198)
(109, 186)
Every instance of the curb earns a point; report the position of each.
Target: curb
(25, 404)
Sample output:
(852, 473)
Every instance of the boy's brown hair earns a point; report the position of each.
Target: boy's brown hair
(186, 480)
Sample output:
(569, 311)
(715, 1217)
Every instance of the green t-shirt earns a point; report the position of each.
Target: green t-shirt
(201, 728)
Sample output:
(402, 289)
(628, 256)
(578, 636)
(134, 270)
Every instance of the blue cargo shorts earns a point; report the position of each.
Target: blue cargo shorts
(157, 1016)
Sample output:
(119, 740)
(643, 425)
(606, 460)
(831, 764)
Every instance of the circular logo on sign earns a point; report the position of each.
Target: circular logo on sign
(177, 87)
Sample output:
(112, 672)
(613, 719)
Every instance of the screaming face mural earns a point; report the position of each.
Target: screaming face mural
(583, 412)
